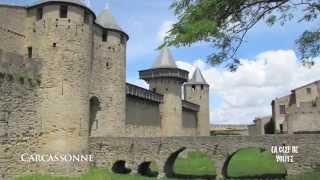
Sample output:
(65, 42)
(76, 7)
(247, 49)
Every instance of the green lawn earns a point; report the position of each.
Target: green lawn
(195, 163)
(252, 161)
(93, 174)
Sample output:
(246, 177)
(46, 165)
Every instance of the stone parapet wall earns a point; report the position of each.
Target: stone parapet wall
(142, 131)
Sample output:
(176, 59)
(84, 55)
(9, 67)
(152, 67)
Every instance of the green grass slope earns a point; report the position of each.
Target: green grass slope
(253, 162)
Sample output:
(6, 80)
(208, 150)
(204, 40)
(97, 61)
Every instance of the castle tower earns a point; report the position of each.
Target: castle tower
(165, 78)
(107, 87)
(59, 37)
(196, 90)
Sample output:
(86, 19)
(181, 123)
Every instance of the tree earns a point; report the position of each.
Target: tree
(225, 23)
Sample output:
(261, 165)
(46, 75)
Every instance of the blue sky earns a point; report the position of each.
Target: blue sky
(144, 20)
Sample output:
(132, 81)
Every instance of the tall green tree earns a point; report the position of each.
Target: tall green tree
(225, 23)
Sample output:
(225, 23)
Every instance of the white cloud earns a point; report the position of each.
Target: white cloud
(164, 28)
(87, 2)
(248, 92)
(106, 6)
(139, 82)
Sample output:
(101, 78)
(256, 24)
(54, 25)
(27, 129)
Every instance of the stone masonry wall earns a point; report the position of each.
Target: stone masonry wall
(141, 112)
(305, 117)
(142, 118)
(199, 95)
(12, 29)
(19, 116)
(107, 76)
(64, 48)
(171, 108)
(135, 151)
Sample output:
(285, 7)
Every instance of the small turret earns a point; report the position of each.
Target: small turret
(165, 78)
(196, 90)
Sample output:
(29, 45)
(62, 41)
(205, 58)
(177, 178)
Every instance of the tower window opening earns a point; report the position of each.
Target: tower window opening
(39, 13)
(105, 35)
(108, 65)
(29, 52)
(282, 109)
(202, 87)
(193, 88)
(63, 11)
(86, 17)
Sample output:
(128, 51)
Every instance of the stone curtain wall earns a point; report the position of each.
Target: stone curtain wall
(142, 117)
(138, 150)
(19, 116)
(141, 112)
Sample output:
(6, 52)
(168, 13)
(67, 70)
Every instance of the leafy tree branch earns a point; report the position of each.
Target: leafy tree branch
(225, 23)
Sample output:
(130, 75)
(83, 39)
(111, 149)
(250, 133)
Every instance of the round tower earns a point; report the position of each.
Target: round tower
(108, 77)
(196, 90)
(165, 78)
(59, 36)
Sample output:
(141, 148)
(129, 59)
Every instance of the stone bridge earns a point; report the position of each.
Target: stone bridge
(136, 153)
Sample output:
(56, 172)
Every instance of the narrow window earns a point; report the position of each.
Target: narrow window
(29, 52)
(86, 17)
(193, 88)
(39, 13)
(104, 35)
(63, 11)
(282, 109)
(202, 87)
(308, 90)
(281, 128)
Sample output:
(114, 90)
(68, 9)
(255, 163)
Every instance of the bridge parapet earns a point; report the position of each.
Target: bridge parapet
(135, 151)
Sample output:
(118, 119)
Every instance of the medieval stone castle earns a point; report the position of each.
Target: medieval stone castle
(63, 90)
(62, 80)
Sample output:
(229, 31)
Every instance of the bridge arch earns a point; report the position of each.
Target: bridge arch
(144, 169)
(119, 167)
(225, 167)
(170, 164)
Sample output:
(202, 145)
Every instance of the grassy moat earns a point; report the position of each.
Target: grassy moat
(246, 162)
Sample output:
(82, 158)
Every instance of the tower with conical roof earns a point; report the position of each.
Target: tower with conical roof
(107, 84)
(196, 90)
(165, 78)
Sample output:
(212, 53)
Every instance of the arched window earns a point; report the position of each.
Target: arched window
(94, 108)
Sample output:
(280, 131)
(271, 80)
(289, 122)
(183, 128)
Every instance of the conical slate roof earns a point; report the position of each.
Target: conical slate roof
(106, 20)
(164, 60)
(77, 2)
(197, 78)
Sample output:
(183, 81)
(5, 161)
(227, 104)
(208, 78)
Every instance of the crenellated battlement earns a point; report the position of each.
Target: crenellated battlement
(17, 68)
